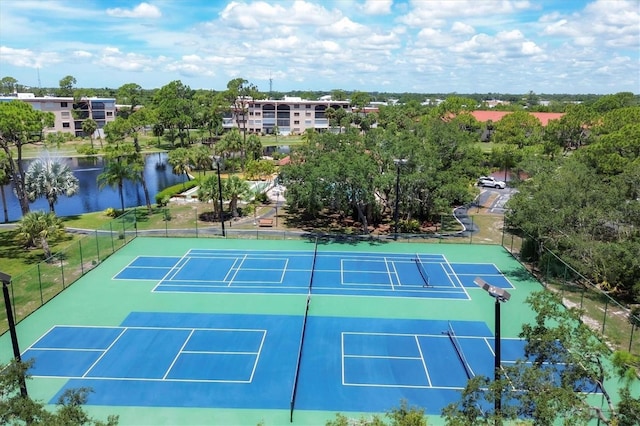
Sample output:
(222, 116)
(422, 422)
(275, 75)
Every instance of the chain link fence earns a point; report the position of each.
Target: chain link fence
(36, 286)
(615, 321)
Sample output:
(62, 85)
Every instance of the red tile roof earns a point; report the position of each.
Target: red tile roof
(494, 116)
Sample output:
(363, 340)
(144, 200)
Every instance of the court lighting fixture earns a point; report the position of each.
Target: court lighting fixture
(6, 281)
(500, 295)
(220, 194)
(398, 162)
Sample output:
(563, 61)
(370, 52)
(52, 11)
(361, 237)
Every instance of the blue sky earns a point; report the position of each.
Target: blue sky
(425, 46)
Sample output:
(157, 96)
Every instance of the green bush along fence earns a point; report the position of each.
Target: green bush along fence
(614, 321)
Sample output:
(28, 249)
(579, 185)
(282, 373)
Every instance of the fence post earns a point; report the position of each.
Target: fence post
(62, 271)
(196, 223)
(81, 261)
(633, 327)
(113, 248)
(604, 320)
(40, 283)
(97, 246)
(166, 223)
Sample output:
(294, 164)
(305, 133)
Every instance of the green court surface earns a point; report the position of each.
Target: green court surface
(107, 300)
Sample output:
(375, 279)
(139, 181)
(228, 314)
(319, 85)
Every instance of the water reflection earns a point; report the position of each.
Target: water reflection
(90, 198)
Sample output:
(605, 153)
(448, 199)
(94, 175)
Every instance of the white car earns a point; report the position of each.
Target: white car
(491, 182)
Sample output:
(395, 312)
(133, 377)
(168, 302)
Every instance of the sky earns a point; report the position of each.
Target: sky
(393, 46)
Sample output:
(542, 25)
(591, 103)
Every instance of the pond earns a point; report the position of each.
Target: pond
(90, 198)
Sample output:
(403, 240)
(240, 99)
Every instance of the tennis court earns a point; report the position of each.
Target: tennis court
(193, 331)
(290, 272)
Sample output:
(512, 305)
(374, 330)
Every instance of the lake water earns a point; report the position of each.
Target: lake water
(92, 199)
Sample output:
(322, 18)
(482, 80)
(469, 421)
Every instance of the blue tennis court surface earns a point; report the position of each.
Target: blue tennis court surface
(249, 361)
(338, 273)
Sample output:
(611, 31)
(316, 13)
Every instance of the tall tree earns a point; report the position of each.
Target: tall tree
(8, 85)
(119, 167)
(130, 95)
(240, 93)
(174, 108)
(20, 125)
(89, 127)
(180, 160)
(50, 177)
(66, 85)
(4, 180)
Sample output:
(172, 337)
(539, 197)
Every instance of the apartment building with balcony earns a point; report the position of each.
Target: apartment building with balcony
(291, 115)
(102, 110)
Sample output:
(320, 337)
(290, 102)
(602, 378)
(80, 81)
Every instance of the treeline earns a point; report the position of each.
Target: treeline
(538, 102)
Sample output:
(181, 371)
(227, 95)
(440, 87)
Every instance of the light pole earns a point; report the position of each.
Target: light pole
(398, 162)
(500, 295)
(6, 280)
(220, 196)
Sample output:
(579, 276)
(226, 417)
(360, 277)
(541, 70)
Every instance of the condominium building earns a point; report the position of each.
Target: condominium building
(291, 115)
(69, 114)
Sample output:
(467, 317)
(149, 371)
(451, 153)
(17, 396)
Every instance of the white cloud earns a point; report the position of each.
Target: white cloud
(344, 28)
(377, 7)
(82, 54)
(462, 28)
(28, 58)
(257, 14)
(143, 10)
(607, 23)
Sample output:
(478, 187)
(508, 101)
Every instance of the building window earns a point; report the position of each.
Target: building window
(296, 114)
(63, 105)
(296, 121)
(66, 125)
(65, 114)
(308, 114)
(109, 114)
(296, 106)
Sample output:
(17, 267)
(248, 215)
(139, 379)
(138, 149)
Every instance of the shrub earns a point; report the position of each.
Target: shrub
(111, 212)
(163, 197)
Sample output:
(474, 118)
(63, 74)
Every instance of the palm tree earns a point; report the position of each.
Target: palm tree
(201, 158)
(115, 172)
(208, 191)
(38, 228)
(180, 160)
(236, 188)
(49, 178)
(89, 127)
(254, 147)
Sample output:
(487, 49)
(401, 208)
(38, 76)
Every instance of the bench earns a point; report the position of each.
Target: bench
(265, 222)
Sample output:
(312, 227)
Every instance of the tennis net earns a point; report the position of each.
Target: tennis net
(423, 272)
(302, 334)
(467, 368)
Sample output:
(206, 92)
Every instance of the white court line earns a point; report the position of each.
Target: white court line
(231, 268)
(458, 279)
(237, 270)
(255, 364)
(124, 330)
(167, 274)
(178, 354)
(424, 363)
(386, 264)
